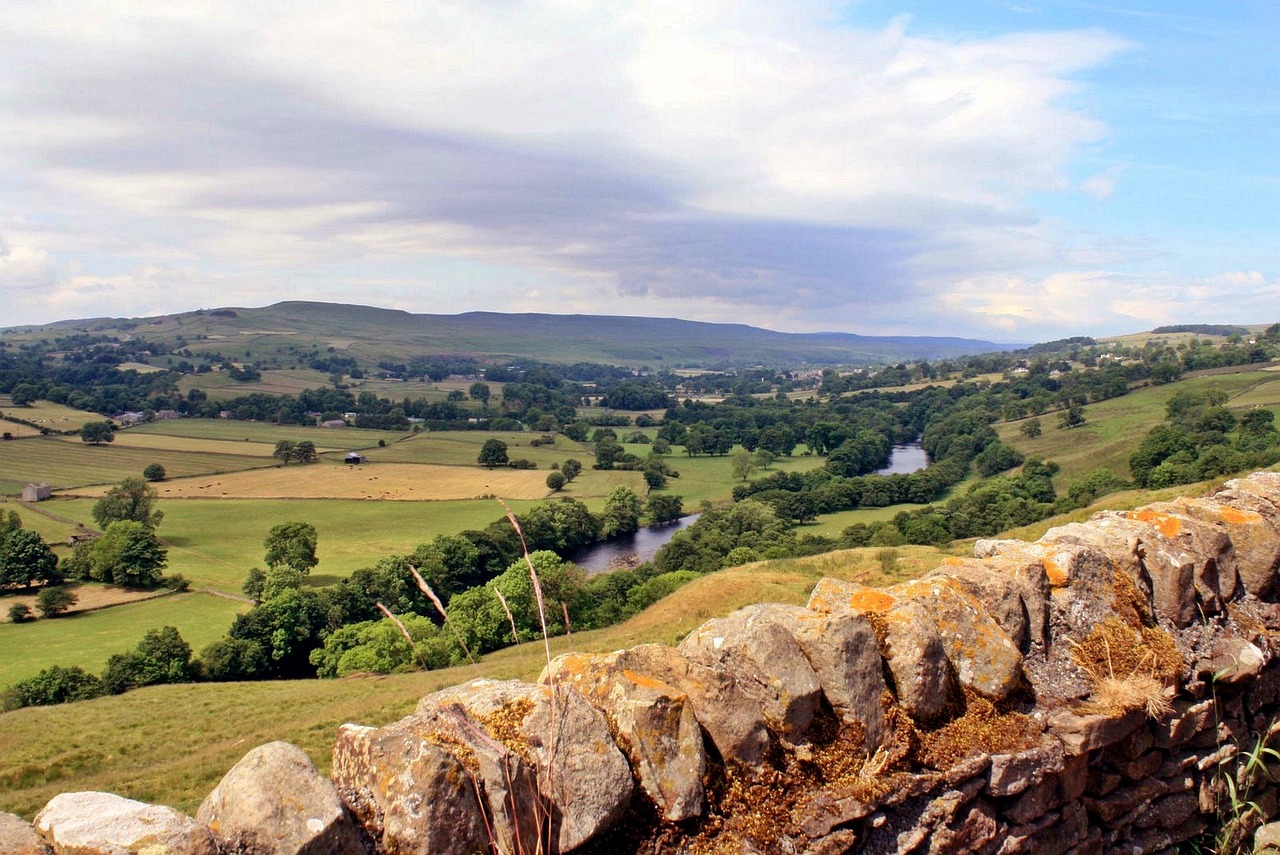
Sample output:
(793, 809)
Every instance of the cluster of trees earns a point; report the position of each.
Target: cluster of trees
(1200, 438)
(287, 451)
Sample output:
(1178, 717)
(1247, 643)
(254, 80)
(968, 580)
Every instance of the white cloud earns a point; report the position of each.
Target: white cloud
(759, 159)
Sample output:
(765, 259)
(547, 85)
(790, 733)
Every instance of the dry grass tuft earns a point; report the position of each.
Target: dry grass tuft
(1128, 668)
(983, 728)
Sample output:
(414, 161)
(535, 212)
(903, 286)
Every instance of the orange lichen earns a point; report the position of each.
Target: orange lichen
(646, 681)
(1237, 516)
(1057, 575)
(1167, 525)
(871, 600)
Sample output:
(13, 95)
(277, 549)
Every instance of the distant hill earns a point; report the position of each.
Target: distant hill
(372, 334)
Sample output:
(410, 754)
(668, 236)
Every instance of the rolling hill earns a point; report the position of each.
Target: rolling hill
(372, 334)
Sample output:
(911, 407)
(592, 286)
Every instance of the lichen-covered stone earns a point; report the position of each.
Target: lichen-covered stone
(18, 837)
(983, 655)
(410, 794)
(654, 723)
(90, 823)
(732, 720)
(275, 802)
(1254, 540)
(584, 779)
(756, 647)
(922, 674)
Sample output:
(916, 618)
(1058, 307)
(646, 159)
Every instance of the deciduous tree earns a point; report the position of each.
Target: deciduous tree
(133, 499)
(292, 544)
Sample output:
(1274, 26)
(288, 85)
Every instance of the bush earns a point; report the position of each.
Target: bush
(55, 685)
(154, 472)
(521, 463)
(20, 613)
(555, 481)
(54, 601)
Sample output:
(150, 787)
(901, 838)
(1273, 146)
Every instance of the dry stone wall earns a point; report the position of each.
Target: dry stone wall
(1107, 688)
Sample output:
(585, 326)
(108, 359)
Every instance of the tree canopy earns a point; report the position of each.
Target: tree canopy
(133, 499)
(292, 544)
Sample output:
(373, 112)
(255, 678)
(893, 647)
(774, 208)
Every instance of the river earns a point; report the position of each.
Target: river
(645, 543)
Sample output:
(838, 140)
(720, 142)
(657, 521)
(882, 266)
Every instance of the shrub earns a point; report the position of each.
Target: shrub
(20, 613)
(54, 601)
(54, 685)
(555, 481)
(154, 472)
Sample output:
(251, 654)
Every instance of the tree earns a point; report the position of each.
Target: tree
(154, 472)
(664, 507)
(621, 513)
(162, 656)
(305, 452)
(555, 482)
(284, 450)
(742, 463)
(493, 453)
(96, 433)
(654, 478)
(23, 394)
(292, 544)
(133, 499)
(1031, 428)
(19, 613)
(1073, 416)
(479, 392)
(52, 602)
(608, 452)
(129, 554)
(570, 469)
(25, 559)
(53, 685)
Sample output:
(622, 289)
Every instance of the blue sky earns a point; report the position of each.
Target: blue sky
(1006, 170)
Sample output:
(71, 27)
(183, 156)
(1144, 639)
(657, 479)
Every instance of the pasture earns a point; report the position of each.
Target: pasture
(215, 542)
(383, 481)
(47, 414)
(66, 462)
(461, 448)
(219, 386)
(325, 439)
(87, 639)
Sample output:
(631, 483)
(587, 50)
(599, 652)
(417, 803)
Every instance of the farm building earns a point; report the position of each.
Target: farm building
(37, 492)
(355, 459)
(333, 423)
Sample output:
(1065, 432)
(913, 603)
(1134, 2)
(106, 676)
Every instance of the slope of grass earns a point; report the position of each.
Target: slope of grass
(48, 414)
(171, 744)
(325, 439)
(87, 639)
(1115, 427)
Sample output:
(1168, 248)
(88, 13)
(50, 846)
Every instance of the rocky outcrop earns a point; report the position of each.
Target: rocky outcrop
(1098, 690)
(18, 837)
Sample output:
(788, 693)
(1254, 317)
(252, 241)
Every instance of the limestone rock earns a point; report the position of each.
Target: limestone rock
(411, 795)
(722, 704)
(922, 674)
(1266, 840)
(654, 723)
(984, 657)
(582, 776)
(275, 802)
(90, 823)
(844, 653)
(754, 646)
(1014, 592)
(1212, 554)
(18, 837)
(1256, 541)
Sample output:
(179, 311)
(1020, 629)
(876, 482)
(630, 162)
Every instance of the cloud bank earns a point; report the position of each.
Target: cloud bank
(751, 162)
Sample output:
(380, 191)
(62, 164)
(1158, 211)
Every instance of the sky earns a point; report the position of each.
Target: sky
(1015, 171)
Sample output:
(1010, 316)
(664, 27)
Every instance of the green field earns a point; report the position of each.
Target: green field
(215, 542)
(65, 463)
(87, 639)
(462, 447)
(48, 414)
(325, 439)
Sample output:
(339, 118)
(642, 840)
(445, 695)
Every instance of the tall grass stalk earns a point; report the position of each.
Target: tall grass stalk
(444, 614)
(405, 632)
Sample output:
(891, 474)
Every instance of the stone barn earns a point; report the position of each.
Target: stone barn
(37, 492)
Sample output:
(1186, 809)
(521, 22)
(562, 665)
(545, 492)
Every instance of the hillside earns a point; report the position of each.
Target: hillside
(373, 334)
